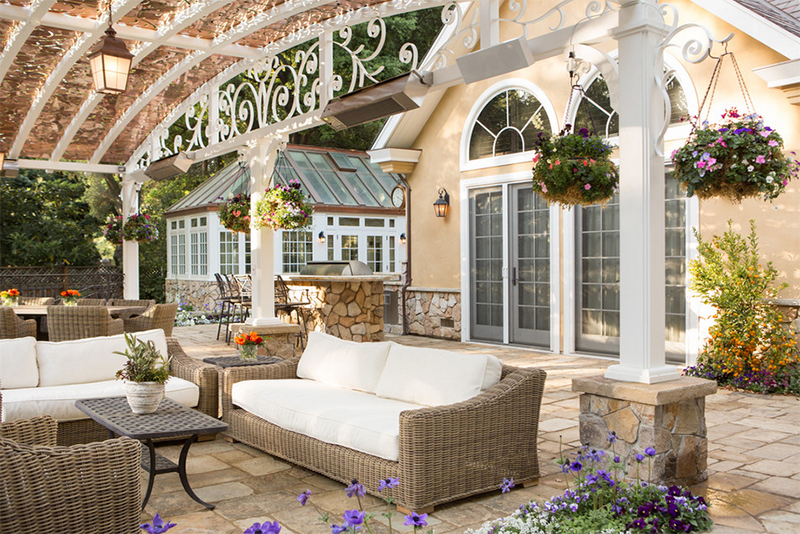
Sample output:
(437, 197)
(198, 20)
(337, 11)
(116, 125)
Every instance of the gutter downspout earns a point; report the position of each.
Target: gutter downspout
(407, 281)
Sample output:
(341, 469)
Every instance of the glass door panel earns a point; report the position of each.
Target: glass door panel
(486, 264)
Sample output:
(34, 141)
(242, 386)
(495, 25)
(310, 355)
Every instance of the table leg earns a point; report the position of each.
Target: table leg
(182, 472)
(152, 450)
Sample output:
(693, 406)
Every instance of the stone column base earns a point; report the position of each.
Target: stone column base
(280, 339)
(669, 417)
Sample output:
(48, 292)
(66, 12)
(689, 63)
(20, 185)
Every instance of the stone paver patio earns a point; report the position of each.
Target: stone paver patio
(754, 462)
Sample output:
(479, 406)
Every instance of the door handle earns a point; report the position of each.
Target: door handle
(513, 276)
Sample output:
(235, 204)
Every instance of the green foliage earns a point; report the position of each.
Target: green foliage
(283, 208)
(145, 362)
(45, 221)
(574, 168)
(234, 213)
(748, 343)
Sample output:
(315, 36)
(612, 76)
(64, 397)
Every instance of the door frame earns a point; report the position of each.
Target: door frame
(504, 181)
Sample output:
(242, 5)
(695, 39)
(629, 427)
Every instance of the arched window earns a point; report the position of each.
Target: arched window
(507, 124)
(596, 114)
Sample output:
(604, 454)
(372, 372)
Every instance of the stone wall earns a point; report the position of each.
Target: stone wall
(434, 312)
(348, 310)
(790, 308)
(202, 295)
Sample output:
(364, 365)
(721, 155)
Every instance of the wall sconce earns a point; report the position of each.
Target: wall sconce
(321, 237)
(110, 62)
(403, 238)
(442, 204)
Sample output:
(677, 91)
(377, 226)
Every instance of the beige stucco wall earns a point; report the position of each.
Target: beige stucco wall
(436, 242)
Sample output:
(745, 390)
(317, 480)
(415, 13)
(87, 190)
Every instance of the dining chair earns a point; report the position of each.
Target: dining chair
(91, 302)
(79, 322)
(284, 304)
(11, 326)
(147, 303)
(224, 303)
(36, 301)
(159, 316)
(238, 300)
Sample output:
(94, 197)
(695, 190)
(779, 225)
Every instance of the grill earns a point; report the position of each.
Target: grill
(336, 268)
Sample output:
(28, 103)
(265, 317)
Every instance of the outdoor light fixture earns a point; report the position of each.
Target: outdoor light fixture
(442, 204)
(499, 59)
(9, 168)
(403, 238)
(321, 236)
(168, 167)
(110, 62)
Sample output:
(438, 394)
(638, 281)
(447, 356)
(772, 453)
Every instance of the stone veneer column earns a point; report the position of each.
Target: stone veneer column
(670, 417)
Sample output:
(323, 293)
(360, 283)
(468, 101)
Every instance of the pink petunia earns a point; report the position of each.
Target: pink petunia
(544, 187)
(711, 161)
(772, 142)
(785, 182)
(587, 186)
(763, 134)
(700, 164)
(536, 157)
(585, 163)
(558, 162)
(760, 159)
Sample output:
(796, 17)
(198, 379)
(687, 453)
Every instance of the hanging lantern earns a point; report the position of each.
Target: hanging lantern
(110, 62)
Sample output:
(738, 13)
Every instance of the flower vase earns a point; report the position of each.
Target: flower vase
(11, 302)
(248, 353)
(144, 397)
(70, 303)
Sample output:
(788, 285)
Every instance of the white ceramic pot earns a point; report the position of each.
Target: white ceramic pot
(144, 397)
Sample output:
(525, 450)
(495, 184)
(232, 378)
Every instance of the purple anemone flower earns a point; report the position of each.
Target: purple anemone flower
(639, 457)
(355, 489)
(336, 529)
(389, 483)
(264, 528)
(650, 451)
(158, 526)
(416, 520)
(507, 484)
(353, 518)
(303, 497)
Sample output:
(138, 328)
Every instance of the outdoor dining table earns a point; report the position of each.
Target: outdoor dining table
(40, 312)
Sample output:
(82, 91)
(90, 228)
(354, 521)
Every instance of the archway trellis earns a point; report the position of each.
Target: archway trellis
(187, 51)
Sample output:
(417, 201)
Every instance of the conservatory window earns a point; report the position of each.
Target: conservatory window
(375, 253)
(228, 252)
(297, 250)
(508, 124)
(349, 247)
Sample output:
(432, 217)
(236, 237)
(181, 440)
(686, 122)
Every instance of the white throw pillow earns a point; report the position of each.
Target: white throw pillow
(436, 377)
(18, 368)
(82, 361)
(341, 363)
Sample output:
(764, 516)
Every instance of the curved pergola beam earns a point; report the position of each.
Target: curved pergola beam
(20, 33)
(76, 51)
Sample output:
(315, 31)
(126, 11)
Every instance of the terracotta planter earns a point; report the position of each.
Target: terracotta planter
(144, 397)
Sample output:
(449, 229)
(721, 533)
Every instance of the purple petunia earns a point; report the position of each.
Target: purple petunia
(303, 497)
(158, 525)
(264, 528)
(416, 520)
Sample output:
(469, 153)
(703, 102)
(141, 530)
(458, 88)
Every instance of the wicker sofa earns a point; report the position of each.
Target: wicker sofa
(463, 442)
(35, 385)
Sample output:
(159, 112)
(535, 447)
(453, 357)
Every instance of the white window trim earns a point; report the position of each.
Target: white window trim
(466, 133)
(505, 181)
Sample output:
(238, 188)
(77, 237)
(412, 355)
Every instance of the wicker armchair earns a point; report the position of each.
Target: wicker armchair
(36, 301)
(149, 303)
(91, 302)
(12, 326)
(49, 489)
(159, 316)
(79, 322)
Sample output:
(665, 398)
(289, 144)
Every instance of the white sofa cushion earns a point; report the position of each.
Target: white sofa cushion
(18, 368)
(59, 401)
(82, 361)
(434, 377)
(353, 419)
(342, 363)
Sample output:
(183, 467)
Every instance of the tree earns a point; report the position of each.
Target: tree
(45, 221)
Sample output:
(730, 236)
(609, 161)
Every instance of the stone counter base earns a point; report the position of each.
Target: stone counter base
(670, 417)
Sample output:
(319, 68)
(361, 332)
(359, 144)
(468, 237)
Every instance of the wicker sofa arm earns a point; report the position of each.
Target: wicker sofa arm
(272, 371)
(41, 430)
(480, 440)
(202, 374)
(57, 489)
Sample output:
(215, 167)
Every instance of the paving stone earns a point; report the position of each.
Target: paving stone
(782, 486)
(223, 492)
(776, 451)
(201, 523)
(233, 456)
(263, 466)
(772, 467)
(203, 464)
(740, 523)
(754, 502)
(729, 482)
(724, 465)
(556, 424)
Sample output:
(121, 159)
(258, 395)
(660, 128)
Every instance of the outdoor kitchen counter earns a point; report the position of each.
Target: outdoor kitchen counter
(349, 307)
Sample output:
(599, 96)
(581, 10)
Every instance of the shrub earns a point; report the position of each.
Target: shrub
(748, 345)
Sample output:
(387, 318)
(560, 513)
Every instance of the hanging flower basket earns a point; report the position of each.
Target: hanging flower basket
(113, 230)
(139, 227)
(574, 168)
(735, 159)
(283, 208)
(234, 214)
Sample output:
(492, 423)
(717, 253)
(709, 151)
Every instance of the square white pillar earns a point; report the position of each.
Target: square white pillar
(130, 249)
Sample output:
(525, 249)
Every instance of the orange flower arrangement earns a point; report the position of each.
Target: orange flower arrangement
(70, 296)
(248, 339)
(9, 297)
(248, 345)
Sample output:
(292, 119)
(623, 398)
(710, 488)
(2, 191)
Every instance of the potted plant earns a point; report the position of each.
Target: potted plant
(113, 230)
(234, 213)
(10, 297)
(738, 158)
(283, 207)
(574, 168)
(248, 345)
(145, 374)
(70, 297)
(140, 228)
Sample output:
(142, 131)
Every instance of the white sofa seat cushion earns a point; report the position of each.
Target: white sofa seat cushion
(18, 367)
(82, 361)
(342, 363)
(434, 377)
(59, 401)
(353, 419)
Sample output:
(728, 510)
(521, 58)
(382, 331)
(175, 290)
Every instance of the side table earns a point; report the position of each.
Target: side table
(170, 420)
(234, 361)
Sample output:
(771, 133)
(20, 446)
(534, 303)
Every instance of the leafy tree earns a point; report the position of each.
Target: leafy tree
(44, 220)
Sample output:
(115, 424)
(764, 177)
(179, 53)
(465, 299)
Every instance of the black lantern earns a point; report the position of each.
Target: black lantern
(442, 204)
(110, 62)
(403, 238)
(321, 237)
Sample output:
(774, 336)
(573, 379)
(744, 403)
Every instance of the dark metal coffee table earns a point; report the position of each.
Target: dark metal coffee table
(171, 420)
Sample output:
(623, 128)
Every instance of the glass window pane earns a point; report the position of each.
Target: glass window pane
(336, 185)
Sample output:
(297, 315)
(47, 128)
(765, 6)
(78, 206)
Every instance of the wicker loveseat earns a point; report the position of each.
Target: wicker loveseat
(42, 383)
(440, 453)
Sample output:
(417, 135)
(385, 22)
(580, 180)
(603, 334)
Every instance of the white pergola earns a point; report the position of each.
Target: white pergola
(186, 53)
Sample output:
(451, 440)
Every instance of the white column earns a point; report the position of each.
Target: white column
(130, 249)
(261, 159)
(490, 23)
(642, 340)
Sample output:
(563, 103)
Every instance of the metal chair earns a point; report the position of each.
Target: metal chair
(238, 300)
(225, 303)
(159, 316)
(79, 322)
(12, 326)
(283, 304)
